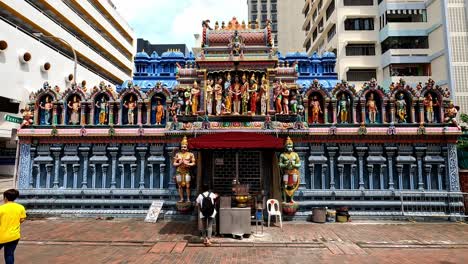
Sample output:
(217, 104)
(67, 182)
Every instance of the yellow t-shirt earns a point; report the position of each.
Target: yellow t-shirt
(10, 215)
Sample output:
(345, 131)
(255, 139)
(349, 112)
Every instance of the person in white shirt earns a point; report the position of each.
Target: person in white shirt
(207, 221)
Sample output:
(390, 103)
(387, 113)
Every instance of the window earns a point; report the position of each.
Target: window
(359, 24)
(361, 75)
(330, 9)
(406, 16)
(360, 50)
(423, 69)
(264, 7)
(264, 17)
(407, 42)
(254, 7)
(273, 7)
(274, 27)
(358, 2)
(274, 17)
(331, 32)
(254, 17)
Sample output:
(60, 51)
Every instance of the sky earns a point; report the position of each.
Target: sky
(176, 21)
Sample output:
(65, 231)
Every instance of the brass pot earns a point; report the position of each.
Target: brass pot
(242, 200)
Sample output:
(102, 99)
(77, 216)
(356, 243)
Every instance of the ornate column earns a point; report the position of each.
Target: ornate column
(413, 111)
(363, 112)
(55, 115)
(170, 149)
(91, 112)
(148, 113)
(56, 152)
(76, 169)
(82, 114)
(370, 170)
(111, 114)
(139, 114)
(113, 150)
(36, 168)
(324, 174)
(440, 170)
(411, 175)
(392, 111)
(332, 153)
(400, 176)
(391, 150)
(312, 175)
(421, 111)
(453, 179)
(162, 169)
(32, 166)
(104, 168)
(340, 173)
(301, 152)
(142, 152)
(354, 112)
(353, 175)
(334, 111)
(383, 167)
(419, 153)
(428, 168)
(65, 175)
(84, 150)
(384, 112)
(361, 151)
(119, 114)
(48, 176)
(151, 179)
(325, 111)
(122, 176)
(93, 175)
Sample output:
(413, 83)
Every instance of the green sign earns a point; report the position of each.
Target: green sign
(13, 119)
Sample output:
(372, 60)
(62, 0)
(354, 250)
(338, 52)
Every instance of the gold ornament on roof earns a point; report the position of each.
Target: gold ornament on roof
(184, 141)
(289, 142)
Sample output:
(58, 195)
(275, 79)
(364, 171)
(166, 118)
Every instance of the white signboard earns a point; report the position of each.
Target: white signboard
(154, 211)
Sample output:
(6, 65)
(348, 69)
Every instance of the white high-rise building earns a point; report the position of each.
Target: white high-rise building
(392, 39)
(103, 41)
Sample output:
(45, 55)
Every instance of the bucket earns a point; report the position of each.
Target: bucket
(342, 218)
(331, 216)
(319, 215)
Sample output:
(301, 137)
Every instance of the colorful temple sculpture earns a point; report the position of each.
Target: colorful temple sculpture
(285, 127)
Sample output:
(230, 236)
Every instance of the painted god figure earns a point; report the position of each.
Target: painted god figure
(209, 97)
(253, 94)
(183, 161)
(429, 104)
(131, 105)
(227, 95)
(195, 97)
(103, 107)
(451, 112)
(343, 109)
(236, 95)
(316, 110)
(244, 94)
(293, 103)
(27, 116)
(75, 111)
(188, 100)
(278, 97)
(218, 94)
(372, 109)
(401, 109)
(285, 94)
(46, 111)
(263, 96)
(289, 163)
(159, 108)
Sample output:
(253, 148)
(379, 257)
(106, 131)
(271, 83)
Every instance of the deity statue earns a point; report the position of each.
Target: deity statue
(263, 96)
(244, 94)
(209, 97)
(451, 113)
(235, 44)
(27, 116)
(293, 103)
(236, 95)
(401, 108)
(289, 163)
(253, 94)
(278, 97)
(316, 109)
(159, 108)
(285, 94)
(47, 111)
(183, 161)
(103, 107)
(75, 111)
(372, 109)
(131, 105)
(343, 109)
(218, 94)
(188, 100)
(195, 97)
(429, 104)
(227, 94)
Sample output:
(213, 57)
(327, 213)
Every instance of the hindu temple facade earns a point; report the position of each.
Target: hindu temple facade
(100, 151)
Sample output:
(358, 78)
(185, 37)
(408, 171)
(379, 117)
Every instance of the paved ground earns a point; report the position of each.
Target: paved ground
(133, 241)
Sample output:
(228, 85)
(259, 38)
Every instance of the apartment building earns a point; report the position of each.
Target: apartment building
(391, 39)
(104, 44)
(286, 18)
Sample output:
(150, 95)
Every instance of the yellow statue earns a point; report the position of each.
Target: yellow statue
(289, 162)
(183, 161)
(195, 93)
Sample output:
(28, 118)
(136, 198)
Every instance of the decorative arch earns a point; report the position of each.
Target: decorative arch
(369, 89)
(39, 98)
(316, 88)
(410, 95)
(67, 113)
(441, 98)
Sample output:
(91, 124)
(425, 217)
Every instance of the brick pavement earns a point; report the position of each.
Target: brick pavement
(133, 241)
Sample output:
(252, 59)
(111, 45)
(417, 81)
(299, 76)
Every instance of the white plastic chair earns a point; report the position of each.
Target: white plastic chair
(273, 210)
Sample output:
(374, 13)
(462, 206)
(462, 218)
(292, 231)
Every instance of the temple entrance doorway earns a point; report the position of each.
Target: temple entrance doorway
(252, 167)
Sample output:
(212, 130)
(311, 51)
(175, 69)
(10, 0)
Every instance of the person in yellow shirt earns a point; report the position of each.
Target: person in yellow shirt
(11, 216)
